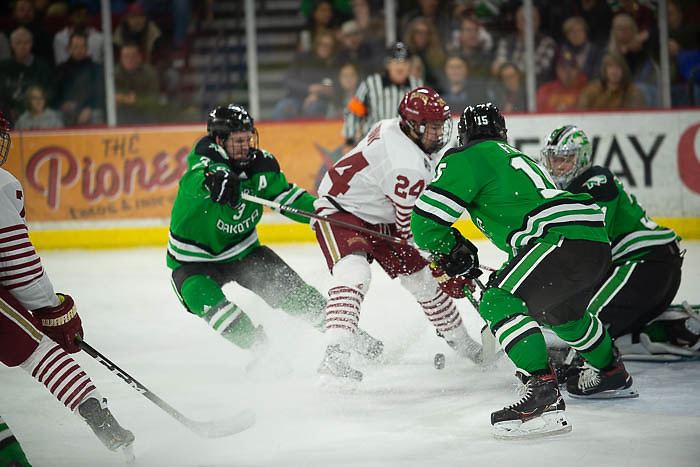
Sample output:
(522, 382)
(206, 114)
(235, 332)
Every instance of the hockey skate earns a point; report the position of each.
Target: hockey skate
(612, 382)
(106, 427)
(367, 346)
(466, 347)
(674, 335)
(336, 363)
(540, 411)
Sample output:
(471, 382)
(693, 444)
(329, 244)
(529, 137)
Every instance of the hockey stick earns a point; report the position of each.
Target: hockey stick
(358, 228)
(213, 429)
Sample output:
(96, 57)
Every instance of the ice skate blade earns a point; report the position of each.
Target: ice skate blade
(128, 452)
(611, 394)
(547, 424)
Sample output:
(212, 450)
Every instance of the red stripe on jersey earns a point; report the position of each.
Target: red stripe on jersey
(22, 284)
(22, 274)
(55, 369)
(21, 255)
(56, 358)
(65, 374)
(73, 380)
(20, 265)
(76, 389)
(13, 238)
(13, 227)
(19, 246)
(401, 206)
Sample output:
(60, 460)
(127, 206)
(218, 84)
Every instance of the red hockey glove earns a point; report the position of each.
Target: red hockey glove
(61, 323)
(452, 286)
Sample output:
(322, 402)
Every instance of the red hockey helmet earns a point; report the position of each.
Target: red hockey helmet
(420, 107)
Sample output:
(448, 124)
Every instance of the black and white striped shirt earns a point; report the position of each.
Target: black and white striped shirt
(376, 98)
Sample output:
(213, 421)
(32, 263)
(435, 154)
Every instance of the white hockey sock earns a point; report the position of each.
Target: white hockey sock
(442, 313)
(342, 314)
(63, 377)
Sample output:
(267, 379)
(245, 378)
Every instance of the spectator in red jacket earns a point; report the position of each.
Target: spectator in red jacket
(562, 94)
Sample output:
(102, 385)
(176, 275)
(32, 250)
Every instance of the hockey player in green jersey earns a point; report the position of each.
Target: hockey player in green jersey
(633, 298)
(558, 251)
(213, 238)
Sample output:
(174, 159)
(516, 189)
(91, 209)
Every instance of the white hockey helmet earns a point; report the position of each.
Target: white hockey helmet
(567, 154)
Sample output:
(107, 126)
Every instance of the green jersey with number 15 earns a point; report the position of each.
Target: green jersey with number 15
(509, 196)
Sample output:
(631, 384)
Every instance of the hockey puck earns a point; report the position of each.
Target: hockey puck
(439, 361)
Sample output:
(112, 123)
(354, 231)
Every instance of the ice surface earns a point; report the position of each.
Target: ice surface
(405, 412)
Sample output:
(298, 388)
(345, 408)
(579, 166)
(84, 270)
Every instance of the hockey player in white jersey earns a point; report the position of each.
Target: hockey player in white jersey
(375, 186)
(38, 327)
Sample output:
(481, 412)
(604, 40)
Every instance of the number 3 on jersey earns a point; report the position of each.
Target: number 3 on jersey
(343, 171)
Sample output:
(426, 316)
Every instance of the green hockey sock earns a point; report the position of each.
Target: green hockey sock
(11, 452)
(204, 297)
(588, 337)
(519, 335)
(306, 303)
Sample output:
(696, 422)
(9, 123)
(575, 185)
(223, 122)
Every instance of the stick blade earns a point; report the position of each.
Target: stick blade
(223, 427)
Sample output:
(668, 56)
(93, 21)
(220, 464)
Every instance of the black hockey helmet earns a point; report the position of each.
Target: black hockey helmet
(224, 120)
(480, 122)
(4, 138)
(398, 51)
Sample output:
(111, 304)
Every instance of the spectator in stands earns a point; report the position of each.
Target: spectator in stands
(378, 96)
(38, 114)
(475, 45)
(438, 14)
(459, 88)
(371, 25)
(562, 94)
(634, 46)
(423, 40)
(5, 51)
(614, 90)
(81, 91)
(417, 68)
(321, 19)
(510, 93)
(643, 16)
(587, 53)
(309, 81)
(78, 21)
(511, 48)
(21, 71)
(348, 80)
(136, 87)
(684, 52)
(137, 28)
(24, 14)
(366, 54)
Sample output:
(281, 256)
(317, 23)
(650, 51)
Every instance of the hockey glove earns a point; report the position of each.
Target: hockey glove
(452, 286)
(223, 185)
(61, 323)
(462, 259)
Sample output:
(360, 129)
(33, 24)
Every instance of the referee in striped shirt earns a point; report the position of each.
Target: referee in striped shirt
(378, 96)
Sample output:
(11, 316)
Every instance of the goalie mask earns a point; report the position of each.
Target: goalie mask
(226, 120)
(4, 139)
(567, 154)
(482, 121)
(428, 115)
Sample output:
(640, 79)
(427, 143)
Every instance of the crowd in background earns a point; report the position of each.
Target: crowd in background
(589, 54)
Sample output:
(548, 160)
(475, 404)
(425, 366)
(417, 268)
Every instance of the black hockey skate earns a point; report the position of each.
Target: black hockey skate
(336, 363)
(611, 382)
(540, 412)
(105, 426)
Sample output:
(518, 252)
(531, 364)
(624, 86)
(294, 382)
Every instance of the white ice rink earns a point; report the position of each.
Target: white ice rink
(405, 413)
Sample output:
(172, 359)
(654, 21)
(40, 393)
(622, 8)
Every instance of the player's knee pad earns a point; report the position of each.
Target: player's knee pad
(199, 293)
(421, 284)
(497, 305)
(352, 271)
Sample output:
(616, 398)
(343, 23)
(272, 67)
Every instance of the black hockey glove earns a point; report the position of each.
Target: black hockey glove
(462, 260)
(223, 185)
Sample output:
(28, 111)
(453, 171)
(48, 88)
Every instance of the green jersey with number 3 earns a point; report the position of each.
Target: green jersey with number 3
(510, 198)
(202, 230)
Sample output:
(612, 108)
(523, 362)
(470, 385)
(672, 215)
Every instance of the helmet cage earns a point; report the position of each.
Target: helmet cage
(223, 121)
(564, 143)
(420, 107)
